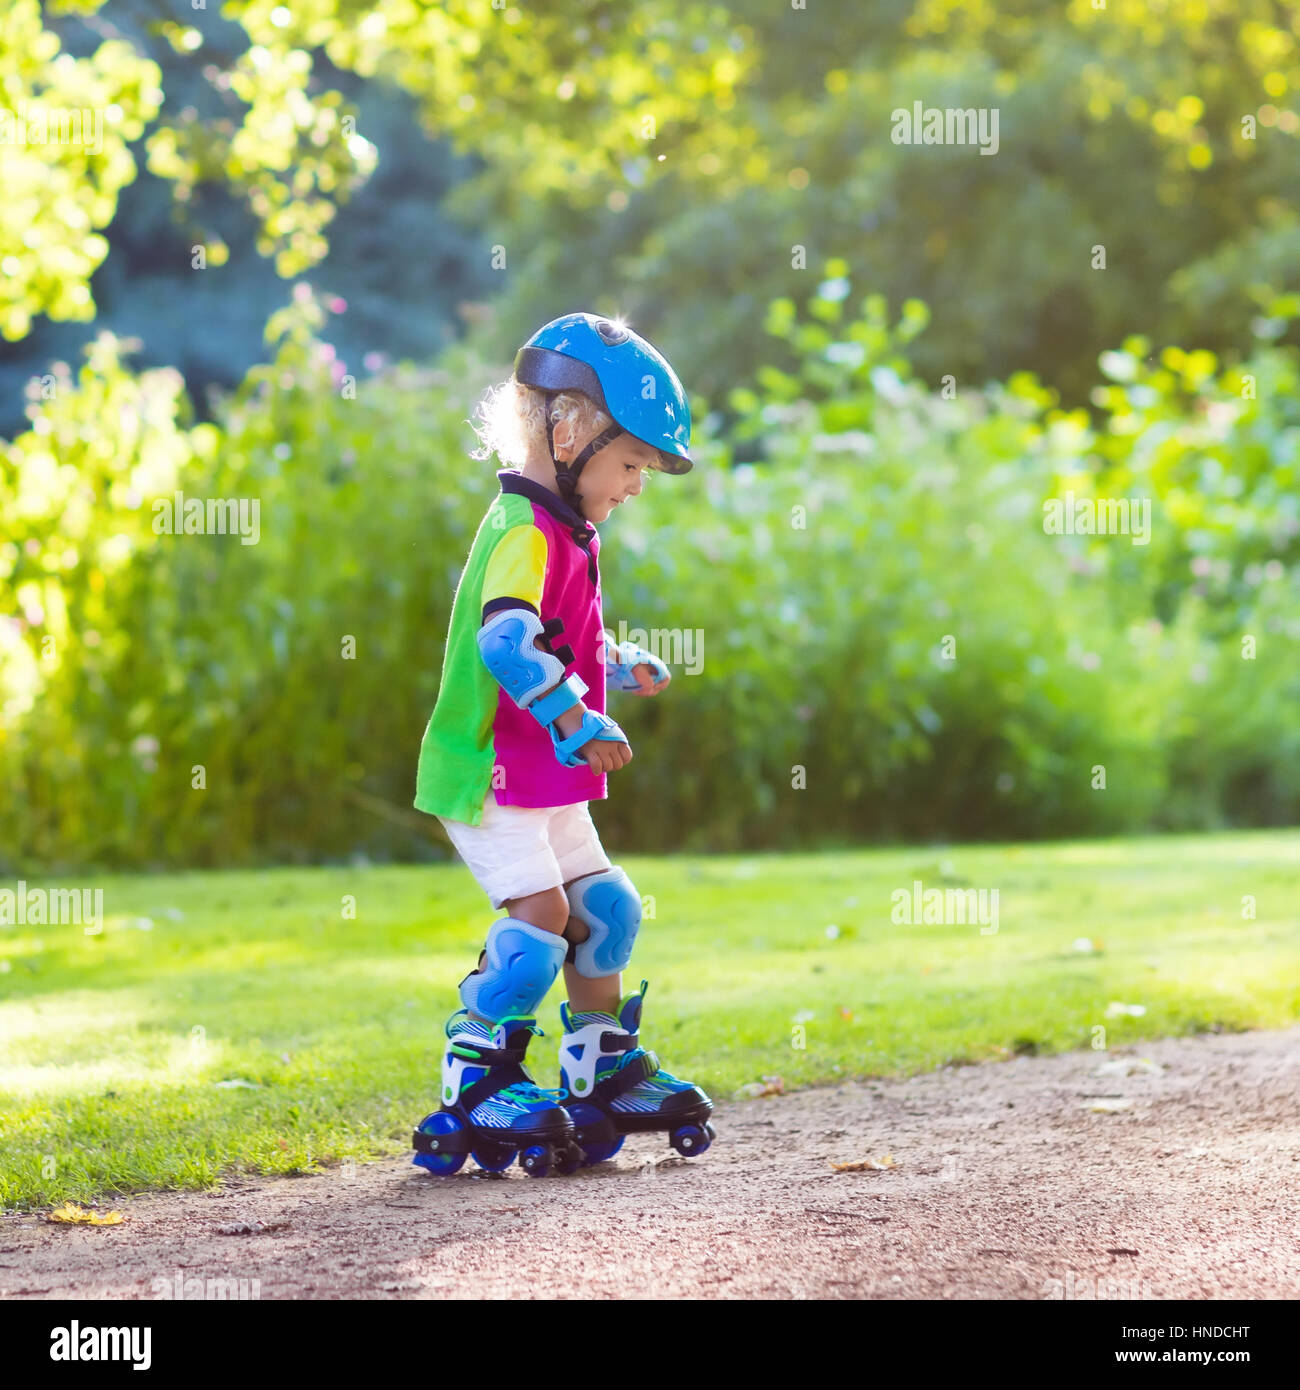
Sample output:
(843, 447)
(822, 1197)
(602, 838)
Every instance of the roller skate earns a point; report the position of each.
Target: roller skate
(491, 1109)
(616, 1088)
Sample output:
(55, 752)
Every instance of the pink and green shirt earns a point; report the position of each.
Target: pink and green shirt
(532, 551)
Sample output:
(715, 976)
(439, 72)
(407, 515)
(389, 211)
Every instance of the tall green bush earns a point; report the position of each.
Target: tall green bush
(892, 643)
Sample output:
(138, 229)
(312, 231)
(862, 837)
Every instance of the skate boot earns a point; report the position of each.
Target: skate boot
(491, 1108)
(616, 1087)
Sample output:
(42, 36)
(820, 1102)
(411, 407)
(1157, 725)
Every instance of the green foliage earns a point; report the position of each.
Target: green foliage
(617, 149)
(1121, 127)
(879, 605)
(66, 130)
(410, 273)
(76, 561)
(865, 619)
(231, 656)
(289, 147)
(1218, 451)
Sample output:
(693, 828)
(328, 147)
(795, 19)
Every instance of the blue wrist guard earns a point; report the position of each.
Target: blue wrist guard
(548, 708)
(594, 725)
(565, 696)
(619, 661)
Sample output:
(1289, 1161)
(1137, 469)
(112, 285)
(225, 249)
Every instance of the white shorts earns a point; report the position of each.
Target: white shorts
(520, 850)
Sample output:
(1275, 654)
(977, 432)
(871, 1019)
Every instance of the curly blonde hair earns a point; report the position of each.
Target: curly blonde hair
(510, 420)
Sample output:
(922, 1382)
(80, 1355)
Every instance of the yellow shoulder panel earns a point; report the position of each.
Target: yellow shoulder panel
(517, 567)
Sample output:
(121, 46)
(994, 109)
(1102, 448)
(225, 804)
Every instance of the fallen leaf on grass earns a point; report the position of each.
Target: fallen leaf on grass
(1110, 1107)
(71, 1213)
(866, 1165)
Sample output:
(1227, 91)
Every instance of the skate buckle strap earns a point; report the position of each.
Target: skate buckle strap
(489, 1056)
(639, 1067)
(618, 1042)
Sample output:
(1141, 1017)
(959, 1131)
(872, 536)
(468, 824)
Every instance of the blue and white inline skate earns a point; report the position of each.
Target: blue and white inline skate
(491, 1107)
(616, 1087)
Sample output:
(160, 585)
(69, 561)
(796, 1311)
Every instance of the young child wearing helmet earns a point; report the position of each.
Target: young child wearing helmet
(519, 743)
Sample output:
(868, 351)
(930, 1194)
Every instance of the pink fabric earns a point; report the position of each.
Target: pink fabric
(533, 775)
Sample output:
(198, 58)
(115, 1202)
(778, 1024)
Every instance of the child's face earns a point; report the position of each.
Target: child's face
(613, 476)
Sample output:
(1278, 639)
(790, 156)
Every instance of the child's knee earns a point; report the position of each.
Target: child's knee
(548, 909)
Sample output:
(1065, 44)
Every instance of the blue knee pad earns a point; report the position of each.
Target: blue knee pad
(610, 907)
(522, 963)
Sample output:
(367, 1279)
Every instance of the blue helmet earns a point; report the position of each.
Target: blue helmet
(623, 374)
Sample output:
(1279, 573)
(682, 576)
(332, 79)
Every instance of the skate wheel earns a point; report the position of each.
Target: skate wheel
(494, 1158)
(598, 1153)
(710, 1131)
(441, 1165)
(690, 1140)
(536, 1161)
(569, 1159)
(596, 1134)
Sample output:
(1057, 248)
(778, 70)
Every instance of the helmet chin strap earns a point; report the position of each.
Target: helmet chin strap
(566, 475)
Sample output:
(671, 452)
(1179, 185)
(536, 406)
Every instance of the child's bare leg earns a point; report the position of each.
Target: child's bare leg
(548, 909)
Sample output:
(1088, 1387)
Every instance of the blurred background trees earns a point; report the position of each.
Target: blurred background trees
(912, 343)
(659, 158)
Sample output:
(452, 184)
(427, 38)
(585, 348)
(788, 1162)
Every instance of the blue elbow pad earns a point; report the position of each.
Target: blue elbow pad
(527, 674)
(505, 642)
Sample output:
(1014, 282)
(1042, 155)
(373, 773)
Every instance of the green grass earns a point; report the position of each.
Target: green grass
(112, 1045)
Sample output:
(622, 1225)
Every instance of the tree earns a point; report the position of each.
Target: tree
(560, 97)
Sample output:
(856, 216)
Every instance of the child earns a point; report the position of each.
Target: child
(519, 743)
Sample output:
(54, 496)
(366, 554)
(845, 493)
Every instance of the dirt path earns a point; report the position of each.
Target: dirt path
(1008, 1185)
